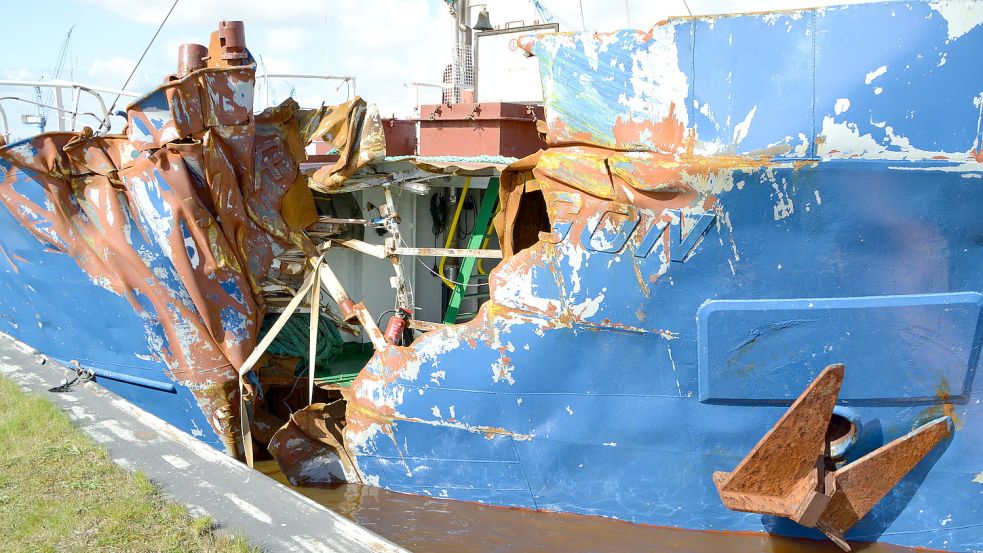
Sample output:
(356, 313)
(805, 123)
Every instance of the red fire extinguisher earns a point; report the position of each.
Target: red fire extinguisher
(397, 323)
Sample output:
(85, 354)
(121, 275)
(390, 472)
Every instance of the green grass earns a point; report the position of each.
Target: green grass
(60, 492)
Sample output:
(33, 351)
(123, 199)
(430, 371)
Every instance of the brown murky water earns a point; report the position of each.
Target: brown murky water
(427, 525)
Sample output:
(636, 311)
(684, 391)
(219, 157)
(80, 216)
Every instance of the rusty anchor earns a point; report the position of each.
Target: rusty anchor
(786, 473)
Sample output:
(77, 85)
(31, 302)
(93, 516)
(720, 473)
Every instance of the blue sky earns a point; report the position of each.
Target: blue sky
(384, 43)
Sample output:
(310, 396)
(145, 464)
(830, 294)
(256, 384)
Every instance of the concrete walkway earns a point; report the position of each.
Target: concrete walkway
(270, 515)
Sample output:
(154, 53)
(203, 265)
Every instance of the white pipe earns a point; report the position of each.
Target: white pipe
(69, 84)
(76, 88)
(61, 109)
(6, 129)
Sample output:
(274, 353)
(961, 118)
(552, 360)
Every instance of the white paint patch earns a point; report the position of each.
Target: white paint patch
(675, 375)
(656, 79)
(960, 16)
(502, 370)
(588, 308)
(195, 431)
(176, 461)
(569, 410)
(741, 129)
(803, 147)
(844, 141)
(961, 168)
(874, 74)
(784, 206)
(819, 199)
(249, 508)
(842, 105)
(611, 444)
(979, 478)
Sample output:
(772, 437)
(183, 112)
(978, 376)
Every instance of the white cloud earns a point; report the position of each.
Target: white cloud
(19, 74)
(384, 44)
(290, 39)
(114, 69)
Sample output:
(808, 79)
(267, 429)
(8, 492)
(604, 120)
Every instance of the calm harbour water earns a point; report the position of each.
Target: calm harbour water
(430, 525)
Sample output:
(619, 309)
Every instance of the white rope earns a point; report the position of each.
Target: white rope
(315, 316)
(245, 416)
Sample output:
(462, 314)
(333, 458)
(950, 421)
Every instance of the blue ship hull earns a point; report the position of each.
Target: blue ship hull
(627, 413)
(733, 204)
(49, 303)
(818, 204)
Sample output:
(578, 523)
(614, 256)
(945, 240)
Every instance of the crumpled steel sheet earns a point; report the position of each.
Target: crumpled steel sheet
(308, 448)
(731, 204)
(183, 215)
(355, 130)
(404, 170)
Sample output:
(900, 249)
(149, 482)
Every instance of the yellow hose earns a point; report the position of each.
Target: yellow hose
(484, 244)
(452, 232)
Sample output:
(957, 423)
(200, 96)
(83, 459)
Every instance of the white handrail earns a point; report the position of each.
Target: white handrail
(347, 79)
(416, 89)
(70, 84)
(59, 86)
(6, 130)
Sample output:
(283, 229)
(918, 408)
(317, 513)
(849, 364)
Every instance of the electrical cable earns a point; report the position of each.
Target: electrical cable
(145, 50)
(378, 322)
(435, 273)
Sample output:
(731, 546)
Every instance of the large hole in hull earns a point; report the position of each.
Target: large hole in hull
(531, 218)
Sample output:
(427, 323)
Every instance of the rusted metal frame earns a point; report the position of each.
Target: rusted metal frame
(375, 250)
(404, 294)
(337, 221)
(446, 252)
(390, 249)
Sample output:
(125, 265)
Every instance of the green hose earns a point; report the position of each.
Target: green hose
(294, 339)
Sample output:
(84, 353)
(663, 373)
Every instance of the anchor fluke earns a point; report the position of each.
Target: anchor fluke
(785, 474)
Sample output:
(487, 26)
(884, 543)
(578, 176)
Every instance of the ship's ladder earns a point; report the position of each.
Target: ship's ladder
(478, 240)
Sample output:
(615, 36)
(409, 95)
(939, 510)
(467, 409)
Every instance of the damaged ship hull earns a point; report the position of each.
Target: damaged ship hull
(727, 206)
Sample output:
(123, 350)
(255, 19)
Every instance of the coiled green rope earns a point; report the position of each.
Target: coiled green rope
(293, 340)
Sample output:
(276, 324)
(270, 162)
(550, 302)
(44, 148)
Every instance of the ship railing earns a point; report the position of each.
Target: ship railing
(67, 117)
(416, 90)
(346, 80)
